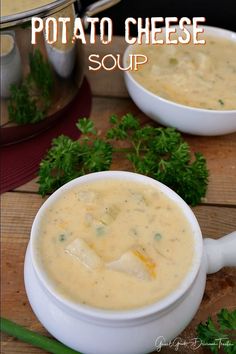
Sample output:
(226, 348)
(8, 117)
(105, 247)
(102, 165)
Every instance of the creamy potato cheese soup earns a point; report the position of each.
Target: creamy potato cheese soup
(115, 244)
(202, 76)
(13, 7)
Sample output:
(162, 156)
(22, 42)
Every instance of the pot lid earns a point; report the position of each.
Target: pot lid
(17, 14)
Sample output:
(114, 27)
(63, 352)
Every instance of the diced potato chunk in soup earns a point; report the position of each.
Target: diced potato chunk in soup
(115, 244)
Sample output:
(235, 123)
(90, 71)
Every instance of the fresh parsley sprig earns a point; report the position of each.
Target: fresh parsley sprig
(162, 154)
(222, 336)
(68, 159)
(159, 153)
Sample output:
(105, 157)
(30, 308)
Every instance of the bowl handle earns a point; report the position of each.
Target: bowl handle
(220, 253)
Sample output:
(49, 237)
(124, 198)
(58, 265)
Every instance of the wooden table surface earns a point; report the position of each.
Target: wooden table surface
(216, 215)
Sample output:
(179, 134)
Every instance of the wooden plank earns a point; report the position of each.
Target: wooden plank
(215, 222)
(219, 151)
(31, 186)
(18, 212)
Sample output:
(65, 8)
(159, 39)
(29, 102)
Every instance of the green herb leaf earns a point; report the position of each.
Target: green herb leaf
(223, 337)
(157, 236)
(86, 126)
(173, 61)
(221, 102)
(159, 153)
(100, 231)
(62, 237)
(36, 339)
(227, 320)
(68, 159)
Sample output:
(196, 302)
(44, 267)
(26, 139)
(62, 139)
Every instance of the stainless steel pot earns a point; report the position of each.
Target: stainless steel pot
(25, 64)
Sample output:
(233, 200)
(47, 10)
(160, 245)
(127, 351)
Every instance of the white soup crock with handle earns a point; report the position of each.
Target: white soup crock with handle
(92, 330)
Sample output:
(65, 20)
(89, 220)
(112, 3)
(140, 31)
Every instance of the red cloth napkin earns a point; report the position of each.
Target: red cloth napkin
(20, 162)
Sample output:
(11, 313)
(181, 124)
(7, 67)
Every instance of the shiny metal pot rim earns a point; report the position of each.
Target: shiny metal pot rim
(52, 7)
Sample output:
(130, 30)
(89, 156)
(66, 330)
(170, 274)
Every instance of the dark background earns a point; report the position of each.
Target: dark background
(217, 13)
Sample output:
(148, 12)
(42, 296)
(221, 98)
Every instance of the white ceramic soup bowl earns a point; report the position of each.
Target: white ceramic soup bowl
(187, 119)
(96, 331)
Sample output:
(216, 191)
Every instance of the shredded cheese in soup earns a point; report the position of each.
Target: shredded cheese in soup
(115, 244)
(202, 76)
